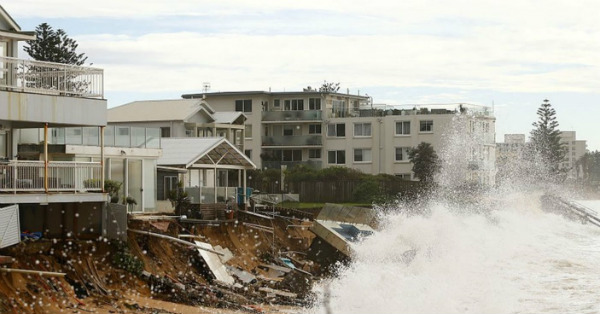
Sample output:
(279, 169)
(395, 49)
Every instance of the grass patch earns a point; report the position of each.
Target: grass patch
(299, 205)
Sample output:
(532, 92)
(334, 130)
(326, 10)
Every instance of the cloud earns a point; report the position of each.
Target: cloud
(183, 60)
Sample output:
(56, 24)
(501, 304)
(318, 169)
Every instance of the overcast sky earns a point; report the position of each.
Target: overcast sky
(511, 54)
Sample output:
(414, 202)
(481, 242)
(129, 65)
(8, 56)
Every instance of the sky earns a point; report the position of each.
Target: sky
(509, 55)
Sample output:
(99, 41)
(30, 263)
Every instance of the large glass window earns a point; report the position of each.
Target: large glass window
(336, 157)
(362, 155)
(3, 145)
(314, 154)
(165, 132)
(403, 128)
(336, 129)
(314, 129)
(362, 129)
(138, 137)
(294, 104)
(426, 126)
(122, 138)
(91, 136)
(244, 105)
(248, 131)
(292, 155)
(314, 103)
(402, 153)
(152, 138)
(288, 130)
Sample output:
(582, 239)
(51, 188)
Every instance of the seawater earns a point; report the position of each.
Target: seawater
(512, 258)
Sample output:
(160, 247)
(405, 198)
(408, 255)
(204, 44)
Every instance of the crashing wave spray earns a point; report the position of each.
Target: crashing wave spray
(512, 257)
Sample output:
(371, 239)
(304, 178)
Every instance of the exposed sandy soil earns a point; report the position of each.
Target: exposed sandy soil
(94, 284)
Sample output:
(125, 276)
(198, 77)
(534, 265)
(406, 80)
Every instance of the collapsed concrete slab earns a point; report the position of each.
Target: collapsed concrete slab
(214, 263)
(337, 227)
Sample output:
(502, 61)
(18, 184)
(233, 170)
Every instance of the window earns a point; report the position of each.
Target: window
(243, 105)
(248, 131)
(314, 103)
(276, 103)
(362, 129)
(336, 157)
(294, 104)
(426, 126)
(189, 133)
(336, 129)
(165, 132)
(403, 176)
(292, 155)
(169, 184)
(402, 153)
(362, 155)
(314, 154)
(403, 128)
(314, 129)
(248, 153)
(288, 130)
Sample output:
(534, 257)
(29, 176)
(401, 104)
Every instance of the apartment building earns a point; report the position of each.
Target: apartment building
(514, 147)
(575, 149)
(324, 129)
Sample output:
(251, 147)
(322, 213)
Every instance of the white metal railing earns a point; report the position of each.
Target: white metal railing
(28, 176)
(51, 78)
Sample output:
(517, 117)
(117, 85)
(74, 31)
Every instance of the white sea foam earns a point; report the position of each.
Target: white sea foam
(516, 260)
(504, 254)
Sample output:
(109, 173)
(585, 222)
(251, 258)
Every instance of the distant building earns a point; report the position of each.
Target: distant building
(335, 129)
(514, 148)
(575, 150)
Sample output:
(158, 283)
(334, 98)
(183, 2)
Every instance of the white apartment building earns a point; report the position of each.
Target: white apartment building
(575, 149)
(514, 147)
(336, 129)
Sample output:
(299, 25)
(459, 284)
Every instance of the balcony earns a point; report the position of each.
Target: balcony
(51, 78)
(316, 164)
(114, 136)
(297, 140)
(28, 176)
(291, 115)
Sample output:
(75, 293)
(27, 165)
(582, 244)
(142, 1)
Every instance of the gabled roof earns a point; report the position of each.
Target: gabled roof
(9, 20)
(158, 110)
(230, 117)
(14, 30)
(206, 152)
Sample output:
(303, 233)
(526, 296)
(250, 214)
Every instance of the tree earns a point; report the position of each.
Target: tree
(54, 46)
(179, 199)
(329, 87)
(425, 162)
(545, 139)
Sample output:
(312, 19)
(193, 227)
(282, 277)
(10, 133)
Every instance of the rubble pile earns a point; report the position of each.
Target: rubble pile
(236, 264)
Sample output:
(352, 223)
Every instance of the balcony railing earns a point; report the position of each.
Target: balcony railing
(114, 136)
(292, 115)
(296, 140)
(63, 176)
(51, 78)
(316, 164)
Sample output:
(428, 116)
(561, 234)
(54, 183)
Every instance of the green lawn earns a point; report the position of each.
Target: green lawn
(298, 205)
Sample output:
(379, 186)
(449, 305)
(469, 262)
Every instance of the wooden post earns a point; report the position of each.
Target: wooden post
(46, 157)
(102, 174)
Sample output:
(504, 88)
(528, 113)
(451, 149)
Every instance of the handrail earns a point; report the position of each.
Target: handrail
(51, 78)
(63, 176)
